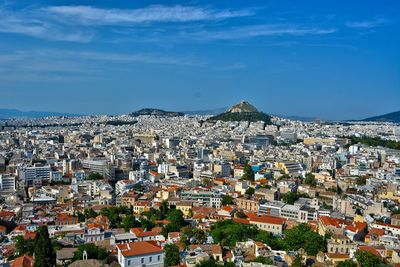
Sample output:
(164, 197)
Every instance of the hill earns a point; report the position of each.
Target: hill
(389, 117)
(15, 113)
(206, 111)
(156, 112)
(242, 111)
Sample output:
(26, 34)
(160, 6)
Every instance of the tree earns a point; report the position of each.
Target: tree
(297, 262)
(310, 180)
(164, 208)
(95, 176)
(361, 180)
(192, 235)
(93, 252)
(248, 173)
(89, 213)
(302, 236)
(171, 255)
(226, 200)
(129, 222)
(367, 259)
(274, 242)
(347, 263)
(146, 224)
(250, 191)
(23, 246)
(241, 215)
(176, 220)
(208, 263)
(263, 260)
(44, 253)
(228, 232)
(290, 197)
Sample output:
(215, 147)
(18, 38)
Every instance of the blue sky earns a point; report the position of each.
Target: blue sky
(332, 59)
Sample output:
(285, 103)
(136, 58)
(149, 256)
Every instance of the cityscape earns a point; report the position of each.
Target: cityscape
(192, 135)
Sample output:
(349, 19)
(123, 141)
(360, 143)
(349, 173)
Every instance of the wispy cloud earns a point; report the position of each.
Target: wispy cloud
(367, 24)
(89, 15)
(235, 66)
(24, 23)
(244, 32)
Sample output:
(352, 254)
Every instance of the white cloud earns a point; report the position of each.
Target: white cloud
(89, 15)
(367, 24)
(262, 30)
(24, 23)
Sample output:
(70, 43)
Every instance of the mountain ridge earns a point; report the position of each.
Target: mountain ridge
(388, 117)
(16, 113)
(156, 112)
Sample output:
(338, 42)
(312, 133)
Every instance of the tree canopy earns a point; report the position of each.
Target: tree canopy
(248, 173)
(93, 252)
(367, 259)
(44, 253)
(171, 255)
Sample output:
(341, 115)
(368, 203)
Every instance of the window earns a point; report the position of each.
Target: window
(142, 260)
(159, 258)
(150, 259)
(129, 262)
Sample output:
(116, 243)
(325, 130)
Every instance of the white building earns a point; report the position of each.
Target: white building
(31, 174)
(142, 253)
(7, 182)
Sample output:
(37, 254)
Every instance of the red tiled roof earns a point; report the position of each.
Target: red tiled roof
(139, 248)
(370, 249)
(268, 219)
(23, 261)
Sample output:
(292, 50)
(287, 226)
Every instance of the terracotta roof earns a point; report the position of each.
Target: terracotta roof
(23, 261)
(268, 219)
(370, 249)
(134, 249)
(328, 221)
(356, 227)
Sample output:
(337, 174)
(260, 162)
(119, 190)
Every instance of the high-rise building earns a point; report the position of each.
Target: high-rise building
(35, 173)
(7, 182)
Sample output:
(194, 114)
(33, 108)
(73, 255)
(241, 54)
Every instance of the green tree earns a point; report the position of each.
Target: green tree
(361, 180)
(208, 263)
(310, 180)
(171, 255)
(95, 176)
(274, 242)
(367, 259)
(44, 253)
(89, 213)
(164, 208)
(298, 261)
(192, 235)
(23, 246)
(250, 191)
(263, 260)
(302, 236)
(176, 220)
(228, 232)
(226, 200)
(146, 224)
(240, 214)
(347, 263)
(290, 197)
(93, 252)
(129, 221)
(248, 173)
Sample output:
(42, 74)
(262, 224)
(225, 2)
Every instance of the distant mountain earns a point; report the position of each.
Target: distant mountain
(242, 111)
(156, 112)
(15, 113)
(389, 117)
(206, 111)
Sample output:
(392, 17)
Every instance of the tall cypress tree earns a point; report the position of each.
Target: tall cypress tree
(44, 253)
